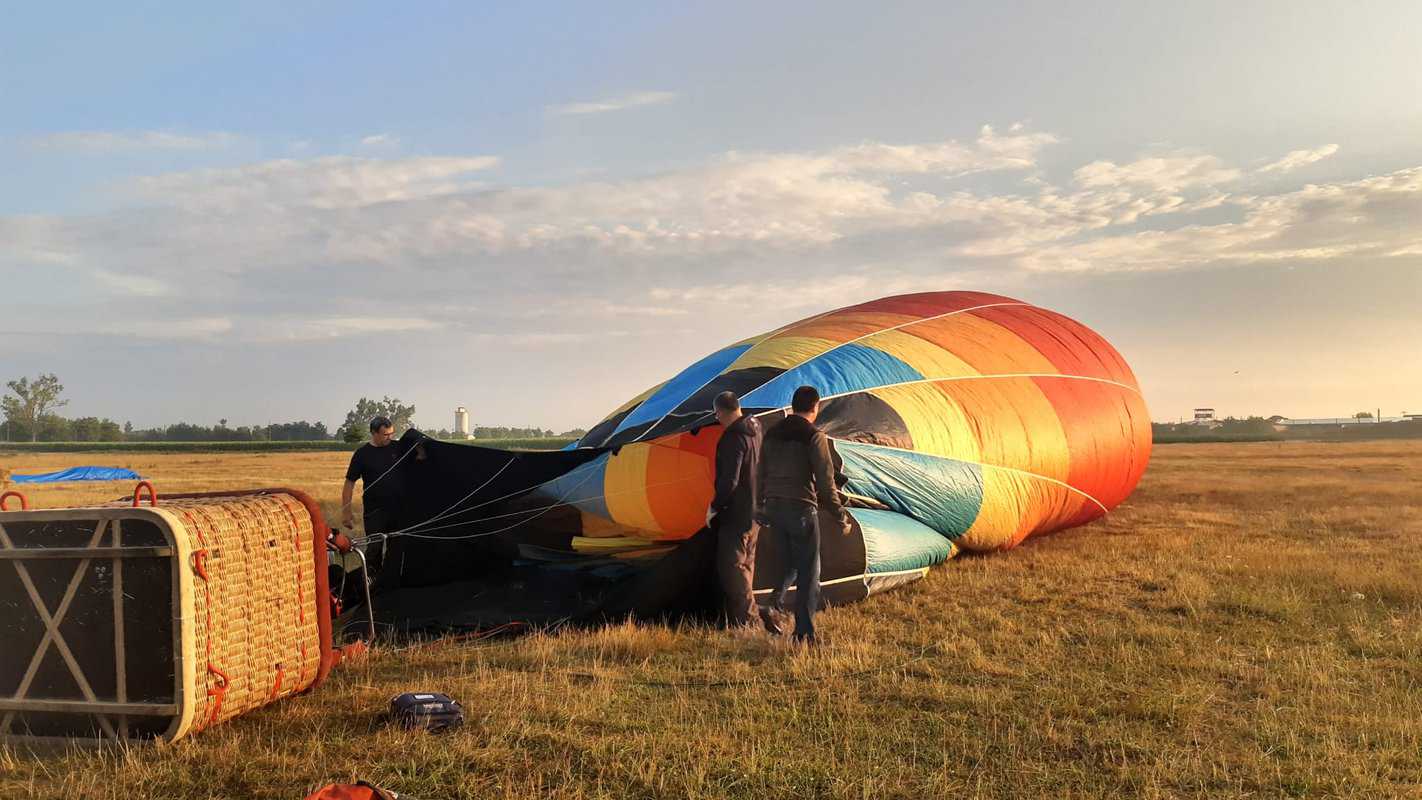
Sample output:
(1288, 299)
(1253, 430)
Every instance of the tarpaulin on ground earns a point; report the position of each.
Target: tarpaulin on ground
(79, 474)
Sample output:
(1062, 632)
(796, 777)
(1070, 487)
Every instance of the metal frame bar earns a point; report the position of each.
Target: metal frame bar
(34, 553)
(86, 707)
(52, 634)
(365, 585)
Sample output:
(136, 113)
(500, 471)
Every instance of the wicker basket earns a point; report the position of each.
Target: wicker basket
(160, 620)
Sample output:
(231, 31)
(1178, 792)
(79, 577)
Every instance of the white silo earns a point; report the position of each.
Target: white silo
(461, 422)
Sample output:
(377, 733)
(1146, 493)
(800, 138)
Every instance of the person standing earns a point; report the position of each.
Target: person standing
(732, 511)
(382, 491)
(796, 481)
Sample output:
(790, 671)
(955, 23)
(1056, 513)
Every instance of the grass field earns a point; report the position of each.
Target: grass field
(1248, 624)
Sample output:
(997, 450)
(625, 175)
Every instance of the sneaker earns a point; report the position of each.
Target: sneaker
(771, 623)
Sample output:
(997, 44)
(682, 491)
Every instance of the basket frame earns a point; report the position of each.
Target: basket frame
(178, 551)
(109, 521)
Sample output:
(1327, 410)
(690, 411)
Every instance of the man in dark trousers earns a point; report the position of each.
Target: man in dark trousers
(373, 464)
(732, 511)
(796, 480)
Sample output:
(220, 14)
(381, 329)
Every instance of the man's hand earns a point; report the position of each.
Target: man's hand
(348, 521)
(710, 515)
(846, 527)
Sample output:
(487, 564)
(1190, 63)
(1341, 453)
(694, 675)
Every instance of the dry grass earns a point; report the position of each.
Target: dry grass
(1249, 624)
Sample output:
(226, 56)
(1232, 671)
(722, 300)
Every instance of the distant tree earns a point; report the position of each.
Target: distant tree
(302, 431)
(357, 424)
(85, 429)
(1363, 415)
(54, 428)
(32, 402)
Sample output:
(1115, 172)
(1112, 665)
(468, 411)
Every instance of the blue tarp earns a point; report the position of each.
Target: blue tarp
(79, 474)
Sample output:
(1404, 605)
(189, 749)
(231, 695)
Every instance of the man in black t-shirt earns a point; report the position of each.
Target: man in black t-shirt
(382, 490)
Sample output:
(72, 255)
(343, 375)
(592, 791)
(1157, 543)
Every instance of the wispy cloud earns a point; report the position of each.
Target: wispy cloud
(1174, 172)
(1300, 158)
(380, 140)
(328, 182)
(632, 100)
(869, 218)
(329, 327)
(175, 329)
(119, 141)
(134, 285)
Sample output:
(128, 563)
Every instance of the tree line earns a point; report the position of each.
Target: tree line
(30, 409)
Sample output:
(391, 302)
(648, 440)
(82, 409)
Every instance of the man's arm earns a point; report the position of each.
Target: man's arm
(347, 513)
(822, 464)
(728, 474)
(758, 513)
(348, 491)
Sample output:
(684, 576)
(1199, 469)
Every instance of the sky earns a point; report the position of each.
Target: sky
(261, 212)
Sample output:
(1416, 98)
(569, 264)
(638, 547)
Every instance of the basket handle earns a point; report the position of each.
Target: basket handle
(24, 503)
(341, 542)
(138, 492)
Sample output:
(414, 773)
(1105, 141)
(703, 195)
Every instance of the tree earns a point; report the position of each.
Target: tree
(85, 429)
(357, 423)
(1363, 415)
(54, 428)
(33, 401)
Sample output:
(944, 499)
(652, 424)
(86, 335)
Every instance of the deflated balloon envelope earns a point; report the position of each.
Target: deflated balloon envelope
(962, 420)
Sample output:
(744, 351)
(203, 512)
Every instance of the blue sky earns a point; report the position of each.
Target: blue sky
(262, 213)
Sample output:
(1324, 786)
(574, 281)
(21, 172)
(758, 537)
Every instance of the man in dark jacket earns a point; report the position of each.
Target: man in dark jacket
(732, 511)
(796, 480)
(383, 494)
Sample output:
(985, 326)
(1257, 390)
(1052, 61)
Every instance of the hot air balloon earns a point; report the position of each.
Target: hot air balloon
(960, 420)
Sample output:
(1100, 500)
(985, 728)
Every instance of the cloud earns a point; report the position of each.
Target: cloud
(92, 325)
(1170, 173)
(33, 239)
(619, 103)
(1368, 218)
(415, 246)
(249, 327)
(135, 285)
(380, 140)
(322, 183)
(332, 327)
(1299, 158)
(119, 141)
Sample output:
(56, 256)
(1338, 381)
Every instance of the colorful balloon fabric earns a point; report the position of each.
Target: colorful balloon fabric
(964, 420)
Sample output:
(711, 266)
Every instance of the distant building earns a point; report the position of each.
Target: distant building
(1204, 416)
(1350, 421)
(461, 422)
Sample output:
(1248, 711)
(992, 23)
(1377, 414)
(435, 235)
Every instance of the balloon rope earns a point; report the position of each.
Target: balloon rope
(454, 514)
(441, 515)
(538, 511)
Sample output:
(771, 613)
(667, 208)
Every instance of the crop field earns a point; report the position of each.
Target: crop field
(1247, 624)
(17, 449)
